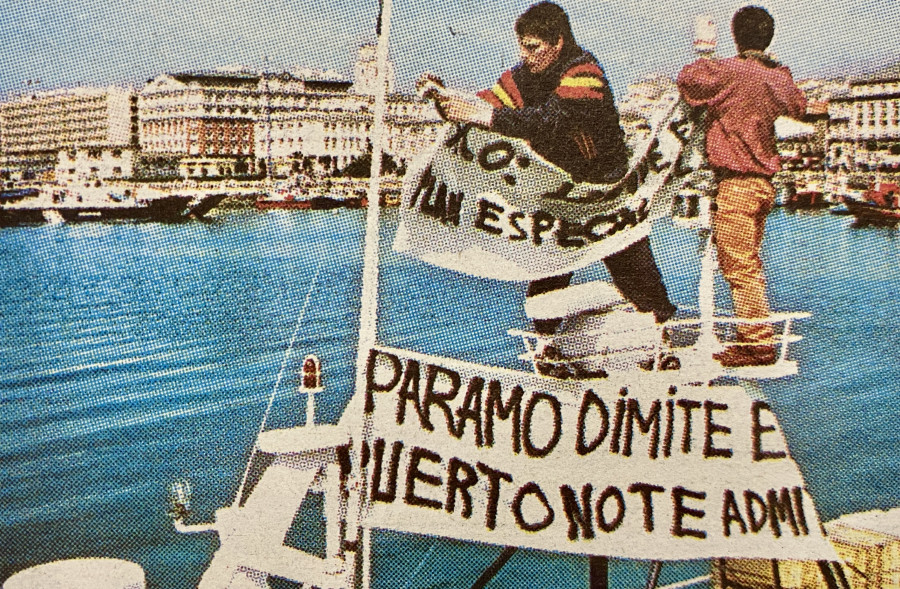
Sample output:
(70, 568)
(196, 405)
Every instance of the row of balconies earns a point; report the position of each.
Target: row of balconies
(62, 101)
(58, 111)
(63, 123)
(51, 139)
(44, 133)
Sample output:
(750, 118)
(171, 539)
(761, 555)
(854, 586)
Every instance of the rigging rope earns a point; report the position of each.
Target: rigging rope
(415, 573)
(279, 378)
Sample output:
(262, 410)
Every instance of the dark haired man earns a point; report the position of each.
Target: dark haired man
(743, 96)
(559, 101)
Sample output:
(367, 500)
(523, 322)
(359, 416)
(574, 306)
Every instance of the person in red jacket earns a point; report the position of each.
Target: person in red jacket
(743, 96)
(558, 99)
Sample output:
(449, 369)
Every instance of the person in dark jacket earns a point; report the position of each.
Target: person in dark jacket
(743, 96)
(558, 99)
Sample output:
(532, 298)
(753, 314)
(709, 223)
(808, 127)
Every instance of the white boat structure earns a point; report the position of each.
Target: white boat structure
(647, 448)
(55, 204)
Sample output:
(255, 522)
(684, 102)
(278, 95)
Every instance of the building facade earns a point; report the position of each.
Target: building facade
(864, 135)
(34, 128)
(92, 164)
(239, 123)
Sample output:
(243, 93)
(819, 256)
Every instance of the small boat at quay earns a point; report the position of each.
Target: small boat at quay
(303, 194)
(879, 205)
(55, 204)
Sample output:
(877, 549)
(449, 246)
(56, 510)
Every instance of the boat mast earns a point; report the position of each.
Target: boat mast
(268, 97)
(368, 320)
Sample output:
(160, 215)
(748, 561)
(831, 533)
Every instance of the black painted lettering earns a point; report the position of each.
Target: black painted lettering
(514, 219)
(570, 234)
(781, 511)
(589, 400)
(531, 488)
(555, 407)
(752, 503)
(757, 430)
(496, 156)
(455, 484)
(488, 211)
(616, 438)
(513, 407)
(681, 510)
(591, 227)
(454, 207)
(560, 193)
(650, 425)
(655, 157)
(541, 222)
(643, 210)
(646, 491)
(375, 387)
(731, 513)
(425, 187)
(433, 397)
(438, 209)
(797, 493)
(687, 405)
(459, 142)
(578, 514)
(494, 477)
(413, 474)
(670, 428)
(600, 508)
(409, 391)
(389, 494)
(471, 410)
(712, 428)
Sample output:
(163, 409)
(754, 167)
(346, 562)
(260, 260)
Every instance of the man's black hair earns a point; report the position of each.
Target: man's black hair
(753, 28)
(546, 21)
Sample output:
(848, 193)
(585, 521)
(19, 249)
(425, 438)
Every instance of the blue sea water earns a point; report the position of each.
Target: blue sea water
(135, 354)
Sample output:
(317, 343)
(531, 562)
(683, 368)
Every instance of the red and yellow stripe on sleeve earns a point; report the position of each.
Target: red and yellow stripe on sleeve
(583, 81)
(504, 93)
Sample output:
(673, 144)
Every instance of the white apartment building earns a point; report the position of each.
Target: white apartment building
(34, 128)
(224, 123)
(330, 131)
(865, 126)
(89, 165)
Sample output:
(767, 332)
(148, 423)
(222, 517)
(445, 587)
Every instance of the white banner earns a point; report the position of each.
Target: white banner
(646, 470)
(489, 206)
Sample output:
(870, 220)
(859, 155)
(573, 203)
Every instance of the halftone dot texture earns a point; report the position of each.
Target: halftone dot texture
(134, 354)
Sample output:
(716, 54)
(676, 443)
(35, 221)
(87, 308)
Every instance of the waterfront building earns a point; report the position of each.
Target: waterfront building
(206, 121)
(35, 127)
(228, 123)
(88, 165)
(330, 132)
(865, 125)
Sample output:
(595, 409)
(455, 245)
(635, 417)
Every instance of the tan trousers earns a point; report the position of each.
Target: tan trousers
(739, 221)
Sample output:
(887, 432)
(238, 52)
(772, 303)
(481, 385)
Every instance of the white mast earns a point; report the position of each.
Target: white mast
(368, 321)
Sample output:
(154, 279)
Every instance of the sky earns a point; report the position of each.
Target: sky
(468, 43)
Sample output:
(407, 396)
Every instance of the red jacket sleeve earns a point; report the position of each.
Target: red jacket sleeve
(790, 96)
(700, 81)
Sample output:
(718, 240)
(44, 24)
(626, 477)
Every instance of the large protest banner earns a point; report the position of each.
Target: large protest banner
(647, 470)
(489, 206)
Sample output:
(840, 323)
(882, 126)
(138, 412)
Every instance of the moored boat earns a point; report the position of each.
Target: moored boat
(53, 204)
(880, 205)
(299, 196)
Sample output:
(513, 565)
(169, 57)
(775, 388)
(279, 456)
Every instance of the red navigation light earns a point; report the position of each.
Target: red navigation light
(312, 372)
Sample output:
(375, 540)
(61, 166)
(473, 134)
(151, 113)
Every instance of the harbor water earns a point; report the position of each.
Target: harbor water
(135, 354)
